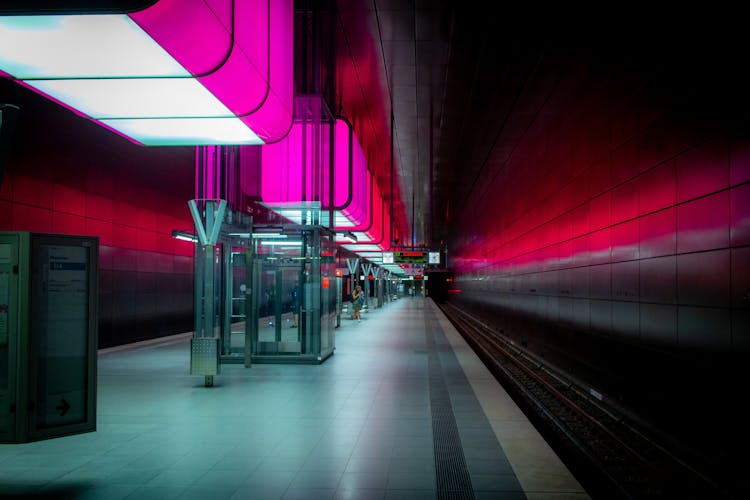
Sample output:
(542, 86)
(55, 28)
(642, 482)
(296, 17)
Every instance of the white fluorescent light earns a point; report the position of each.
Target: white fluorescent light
(370, 255)
(60, 47)
(184, 236)
(268, 235)
(363, 248)
(124, 79)
(282, 243)
(135, 97)
(185, 131)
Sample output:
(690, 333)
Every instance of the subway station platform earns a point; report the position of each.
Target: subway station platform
(402, 410)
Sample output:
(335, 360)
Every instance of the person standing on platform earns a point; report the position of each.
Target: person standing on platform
(295, 304)
(357, 300)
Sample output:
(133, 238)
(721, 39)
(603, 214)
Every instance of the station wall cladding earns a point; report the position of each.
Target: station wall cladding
(609, 231)
(67, 175)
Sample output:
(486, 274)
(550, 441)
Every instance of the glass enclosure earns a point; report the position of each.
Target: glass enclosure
(276, 296)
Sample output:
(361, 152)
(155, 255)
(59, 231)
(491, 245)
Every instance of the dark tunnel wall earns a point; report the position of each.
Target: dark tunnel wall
(610, 234)
(68, 176)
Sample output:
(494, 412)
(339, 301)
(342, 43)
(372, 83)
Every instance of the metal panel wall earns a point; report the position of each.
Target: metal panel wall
(621, 220)
(67, 176)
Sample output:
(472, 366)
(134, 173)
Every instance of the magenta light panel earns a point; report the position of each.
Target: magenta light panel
(181, 72)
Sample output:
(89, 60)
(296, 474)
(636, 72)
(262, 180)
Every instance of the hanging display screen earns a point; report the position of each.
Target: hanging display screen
(409, 257)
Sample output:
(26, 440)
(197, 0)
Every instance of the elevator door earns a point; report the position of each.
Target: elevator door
(279, 301)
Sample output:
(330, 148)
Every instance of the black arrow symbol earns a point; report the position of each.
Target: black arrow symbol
(64, 406)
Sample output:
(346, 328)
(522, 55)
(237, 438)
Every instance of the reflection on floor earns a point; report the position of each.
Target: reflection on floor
(360, 425)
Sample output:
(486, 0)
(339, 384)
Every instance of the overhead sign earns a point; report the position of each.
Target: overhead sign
(410, 257)
(388, 258)
(433, 258)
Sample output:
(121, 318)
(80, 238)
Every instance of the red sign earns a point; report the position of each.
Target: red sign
(326, 282)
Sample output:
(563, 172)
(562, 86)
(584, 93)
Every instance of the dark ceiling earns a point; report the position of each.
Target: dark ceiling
(466, 80)
(463, 82)
(454, 75)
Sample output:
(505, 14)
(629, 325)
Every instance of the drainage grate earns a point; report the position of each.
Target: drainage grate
(451, 472)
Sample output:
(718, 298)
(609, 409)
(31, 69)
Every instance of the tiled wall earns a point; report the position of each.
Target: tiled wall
(84, 180)
(620, 223)
(145, 275)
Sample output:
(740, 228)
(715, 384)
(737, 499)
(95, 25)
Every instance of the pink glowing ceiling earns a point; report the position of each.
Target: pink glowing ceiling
(295, 177)
(179, 72)
(364, 95)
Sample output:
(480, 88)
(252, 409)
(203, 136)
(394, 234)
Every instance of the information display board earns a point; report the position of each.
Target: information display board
(48, 335)
(433, 258)
(410, 257)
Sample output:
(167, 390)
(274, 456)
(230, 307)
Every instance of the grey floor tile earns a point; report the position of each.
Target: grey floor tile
(365, 494)
(155, 493)
(368, 465)
(315, 463)
(215, 492)
(512, 495)
(406, 465)
(259, 493)
(105, 491)
(271, 478)
(489, 452)
(495, 482)
(402, 494)
(131, 476)
(489, 466)
(364, 480)
(273, 464)
(316, 479)
(247, 464)
(309, 494)
(328, 451)
(420, 454)
(410, 481)
(175, 477)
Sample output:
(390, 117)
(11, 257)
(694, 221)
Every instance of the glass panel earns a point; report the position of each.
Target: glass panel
(279, 296)
(5, 295)
(328, 296)
(267, 304)
(60, 331)
(237, 335)
(290, 303)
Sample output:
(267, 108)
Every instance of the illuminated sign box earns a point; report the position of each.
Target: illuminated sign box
(189, 72)
(409, 257)
(388, 258)
(433, 258)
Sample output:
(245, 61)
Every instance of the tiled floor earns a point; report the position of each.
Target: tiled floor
(401, 389)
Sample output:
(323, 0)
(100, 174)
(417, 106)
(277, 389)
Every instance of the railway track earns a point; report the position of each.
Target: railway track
(611, 455)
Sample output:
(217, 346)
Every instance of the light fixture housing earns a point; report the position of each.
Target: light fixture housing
(177, 72)
(296, 176)
(184, 236)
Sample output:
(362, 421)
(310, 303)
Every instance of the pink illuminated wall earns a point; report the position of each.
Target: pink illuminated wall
(128, 196)
(364, 97)
(617, 213)
(609, 234)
